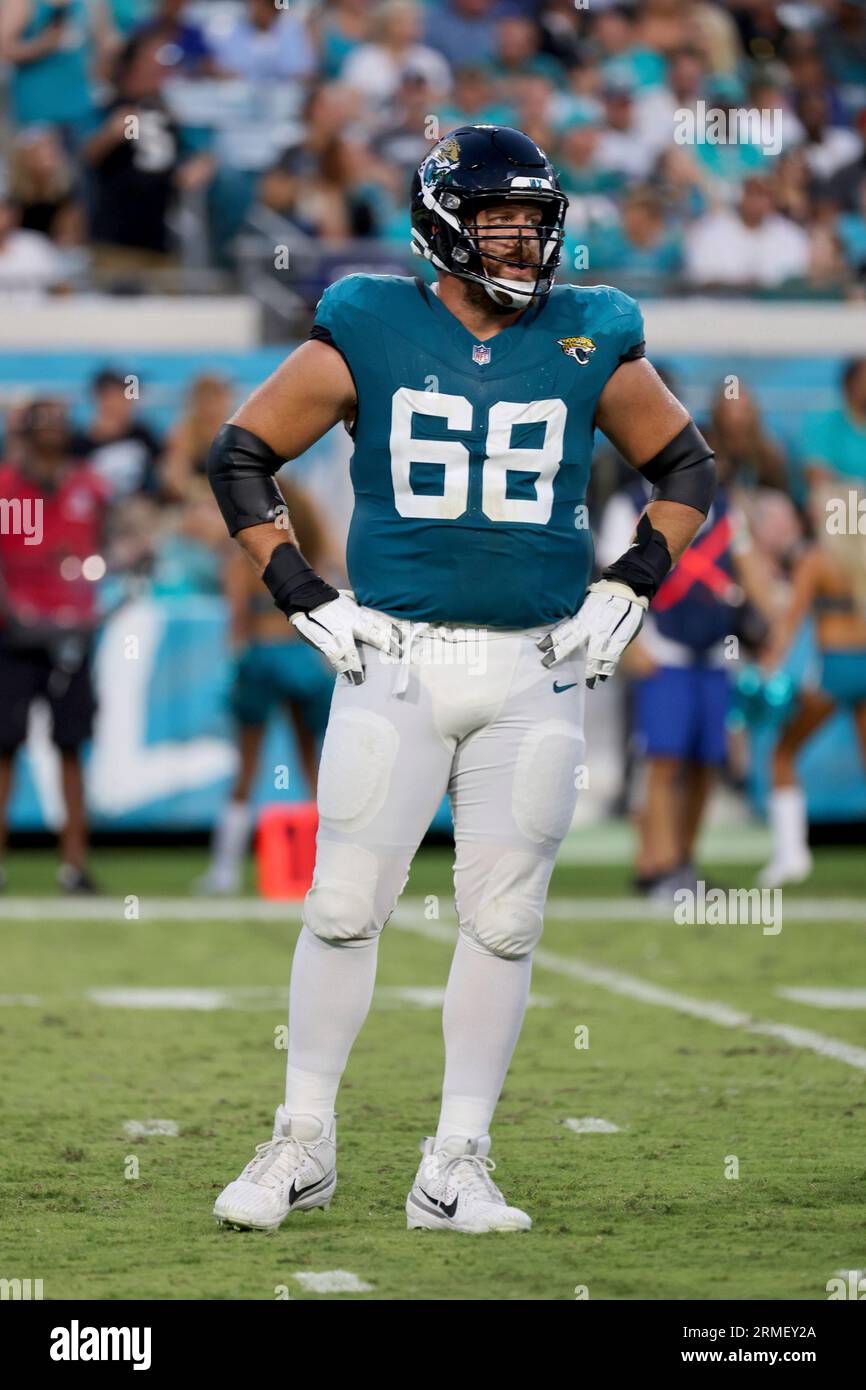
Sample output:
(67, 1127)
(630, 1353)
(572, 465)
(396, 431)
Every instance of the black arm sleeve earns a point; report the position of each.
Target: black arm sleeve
(240, 469)
(683, 471)
(634, 353)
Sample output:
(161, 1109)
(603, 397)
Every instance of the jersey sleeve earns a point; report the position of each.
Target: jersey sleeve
(334, 321)
(626, 322)
(343, 320)
(329, 324)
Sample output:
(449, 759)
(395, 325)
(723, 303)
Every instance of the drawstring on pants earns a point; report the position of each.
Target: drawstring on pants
(409, 631)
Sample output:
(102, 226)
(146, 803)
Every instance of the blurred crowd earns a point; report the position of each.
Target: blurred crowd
(151, 134)
(159, 522)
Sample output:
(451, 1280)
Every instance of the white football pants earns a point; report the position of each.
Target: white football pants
(472, 712)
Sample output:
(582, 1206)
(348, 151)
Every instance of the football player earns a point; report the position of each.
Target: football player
(472, 406)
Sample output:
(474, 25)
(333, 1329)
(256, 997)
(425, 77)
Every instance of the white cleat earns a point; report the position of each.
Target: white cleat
(781, 871)
(294, 1171)
(453, 1191)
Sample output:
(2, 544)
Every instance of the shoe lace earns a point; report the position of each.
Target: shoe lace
(274, 1161)
(474, 1172)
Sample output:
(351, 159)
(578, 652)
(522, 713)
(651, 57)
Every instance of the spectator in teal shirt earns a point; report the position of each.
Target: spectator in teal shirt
(835, 442)
(641, 245)
(576, 154)
(127, 15)
(734, 160)
(620, 59)
(48, 46)
(341, 28)
(851, 229)
(473, 100)
(517, 52)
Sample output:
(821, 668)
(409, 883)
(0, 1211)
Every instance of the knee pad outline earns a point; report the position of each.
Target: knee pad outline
(506, 926)
(340, 906)
(337, 914)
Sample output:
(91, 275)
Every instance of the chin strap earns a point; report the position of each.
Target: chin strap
(515, 292)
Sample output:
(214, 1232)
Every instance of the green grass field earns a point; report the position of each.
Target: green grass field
(646, 1212)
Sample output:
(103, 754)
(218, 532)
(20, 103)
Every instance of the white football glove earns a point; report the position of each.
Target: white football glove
(336, 626)
(607, 620)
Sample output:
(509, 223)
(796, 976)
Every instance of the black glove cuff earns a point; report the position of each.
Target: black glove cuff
(646, 562)
(294, 584)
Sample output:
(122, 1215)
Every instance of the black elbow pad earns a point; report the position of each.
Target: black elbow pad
(240, 469)
(684, 471)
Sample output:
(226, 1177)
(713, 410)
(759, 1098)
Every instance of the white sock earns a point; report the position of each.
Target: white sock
(230, 839)
(789, 824)
(329, 998)
(484, 1006)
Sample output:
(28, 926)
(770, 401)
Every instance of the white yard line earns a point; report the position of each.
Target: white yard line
(559, 909)
(617, 982)
(410, 916)
(255, 998)
(198, 1000)
(100, 909)
(332, 1281)
(817, 910)
(592, 1124)
(142, 1129)
(826, 998)
(613, 842)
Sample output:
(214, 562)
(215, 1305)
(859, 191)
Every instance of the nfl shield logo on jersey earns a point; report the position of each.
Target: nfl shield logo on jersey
(481, 354)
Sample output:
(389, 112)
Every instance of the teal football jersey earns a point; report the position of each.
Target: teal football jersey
(471, 458)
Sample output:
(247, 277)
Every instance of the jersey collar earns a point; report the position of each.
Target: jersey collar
(500, 346)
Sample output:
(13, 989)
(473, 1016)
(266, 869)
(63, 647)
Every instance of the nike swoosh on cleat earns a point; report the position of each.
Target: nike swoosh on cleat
(295, 1192)
(558, 689)
(447, 1208)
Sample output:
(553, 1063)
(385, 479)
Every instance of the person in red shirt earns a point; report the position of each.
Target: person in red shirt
(52, 512)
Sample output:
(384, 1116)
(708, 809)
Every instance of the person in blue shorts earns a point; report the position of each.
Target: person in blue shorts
(681, 665)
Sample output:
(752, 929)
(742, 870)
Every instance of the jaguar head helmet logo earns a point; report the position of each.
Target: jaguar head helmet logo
(441, 158)
(581, 349)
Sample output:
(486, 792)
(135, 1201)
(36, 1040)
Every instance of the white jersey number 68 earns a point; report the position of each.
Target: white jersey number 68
(453, 456)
